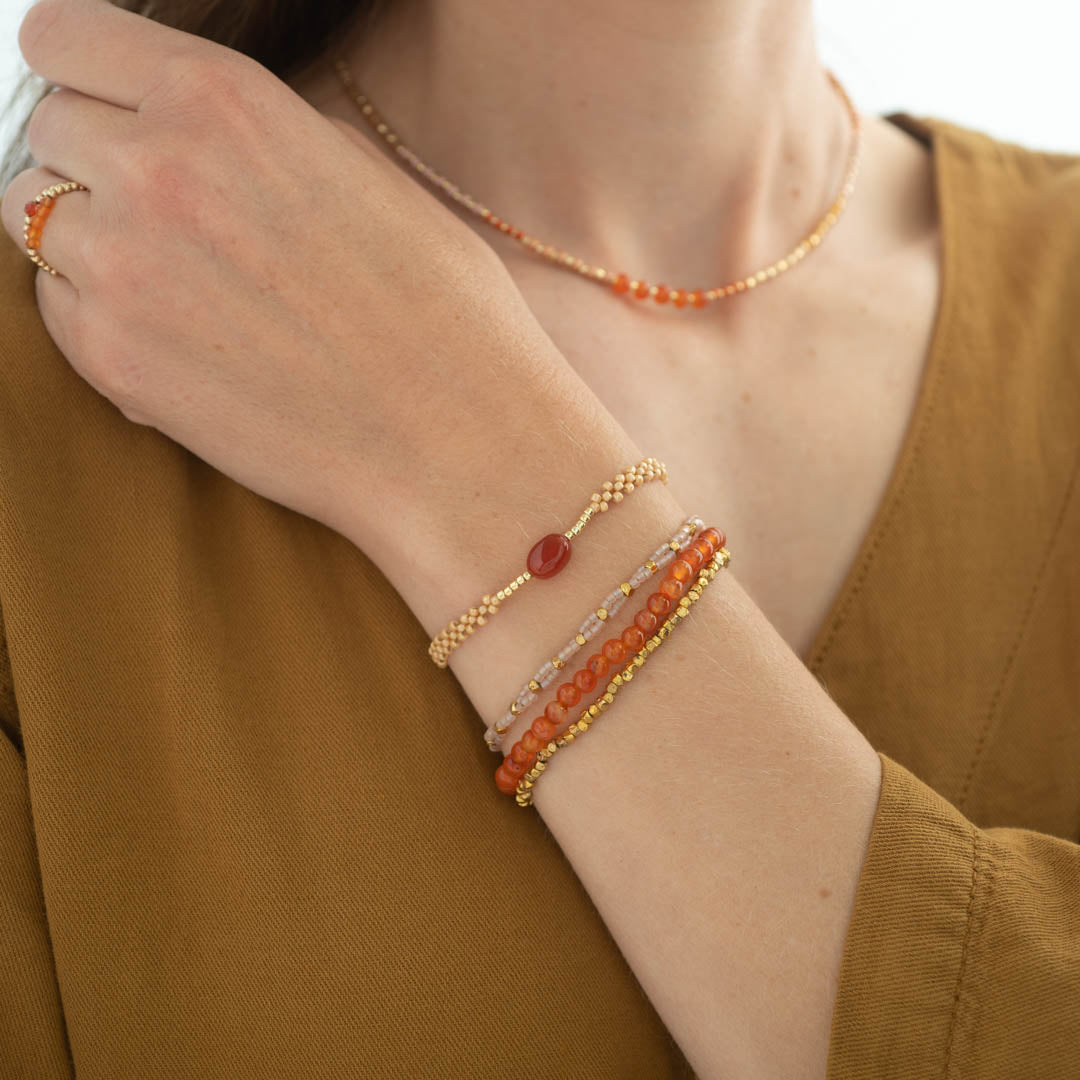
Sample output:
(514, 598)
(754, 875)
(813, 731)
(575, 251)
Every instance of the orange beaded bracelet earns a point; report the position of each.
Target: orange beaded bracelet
(524, 790)
(546, 727)
(606, 609)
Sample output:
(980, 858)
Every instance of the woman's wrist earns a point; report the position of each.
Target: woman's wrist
(533, 623)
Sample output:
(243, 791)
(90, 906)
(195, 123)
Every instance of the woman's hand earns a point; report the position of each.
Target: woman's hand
(261, 283)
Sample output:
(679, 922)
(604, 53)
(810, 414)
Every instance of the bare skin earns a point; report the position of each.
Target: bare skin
(784, 409)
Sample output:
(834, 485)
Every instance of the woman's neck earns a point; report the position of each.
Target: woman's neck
(695, 139)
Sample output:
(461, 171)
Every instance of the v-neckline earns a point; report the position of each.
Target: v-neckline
(930, 131)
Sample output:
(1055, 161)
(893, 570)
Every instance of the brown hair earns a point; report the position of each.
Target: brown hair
(284, 36)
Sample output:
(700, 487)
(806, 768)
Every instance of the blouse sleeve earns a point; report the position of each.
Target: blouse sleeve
(33, 1040)
(962, 957)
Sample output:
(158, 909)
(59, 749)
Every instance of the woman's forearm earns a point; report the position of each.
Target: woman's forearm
(719, 821)
(718, 813)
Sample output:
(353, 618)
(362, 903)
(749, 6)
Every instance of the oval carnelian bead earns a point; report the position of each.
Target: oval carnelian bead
(661, 295)
(641, 290)
(515, 768)
(504, 781)
(633, 638)
(698, 299)
(678, 297)
(519, 753)
(621, 283)
(646, 621)
(548, 556)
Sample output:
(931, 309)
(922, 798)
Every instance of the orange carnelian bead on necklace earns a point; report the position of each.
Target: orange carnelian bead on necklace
(622, 284)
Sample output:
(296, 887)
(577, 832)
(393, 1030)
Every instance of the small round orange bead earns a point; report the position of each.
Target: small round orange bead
(694, 558)
(568, 695)
(543, 729)
(681, 570)
(598, 664)
(585, 680)
(514, 768)
(715, 537)
(506, 782)
(555, 712)
(615, 650)
(659, 604)
(705, 547)
(672, 587)
(530, 741)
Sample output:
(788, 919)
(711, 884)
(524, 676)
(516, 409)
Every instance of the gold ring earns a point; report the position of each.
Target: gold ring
(36, 213)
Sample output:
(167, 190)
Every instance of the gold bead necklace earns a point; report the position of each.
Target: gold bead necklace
(621, 283)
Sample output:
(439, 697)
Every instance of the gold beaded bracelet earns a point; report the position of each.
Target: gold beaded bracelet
(546, 558)
(524, 794)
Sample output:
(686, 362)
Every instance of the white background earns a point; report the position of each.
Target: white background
(1010, 69)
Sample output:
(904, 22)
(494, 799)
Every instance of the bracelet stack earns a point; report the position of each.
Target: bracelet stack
(637, 642)
(607, 608)
(528, 780)
(692, 557)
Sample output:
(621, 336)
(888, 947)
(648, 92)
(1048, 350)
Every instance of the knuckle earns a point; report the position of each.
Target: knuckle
(44, 117)
(35, 124)
(205, 86)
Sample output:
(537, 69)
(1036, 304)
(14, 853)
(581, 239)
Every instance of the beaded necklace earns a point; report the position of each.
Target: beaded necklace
(621, 283)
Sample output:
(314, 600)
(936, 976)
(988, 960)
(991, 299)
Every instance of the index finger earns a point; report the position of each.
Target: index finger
(102, 50)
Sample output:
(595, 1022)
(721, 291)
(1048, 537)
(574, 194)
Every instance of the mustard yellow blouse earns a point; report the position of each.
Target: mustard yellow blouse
(213, 859)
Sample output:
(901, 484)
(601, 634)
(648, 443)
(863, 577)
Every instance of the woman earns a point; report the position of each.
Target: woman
(287, 407)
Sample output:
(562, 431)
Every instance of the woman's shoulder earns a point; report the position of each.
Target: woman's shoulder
(1015, 195)
(1013, 168)
(1010, 226)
